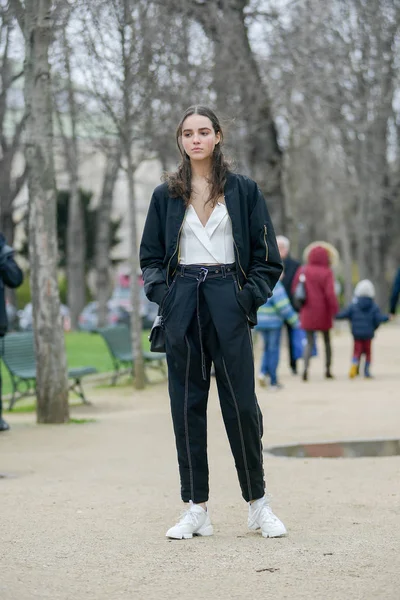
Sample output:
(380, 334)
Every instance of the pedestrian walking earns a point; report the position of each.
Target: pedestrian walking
(290, 268)
(11, 276)
(395, 294)
(320, 305)
(209, 259)
(271, 317)
(365, 318)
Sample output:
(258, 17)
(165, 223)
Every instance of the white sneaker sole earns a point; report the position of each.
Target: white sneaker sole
(203, 532)
(278, 533)
(274, 535)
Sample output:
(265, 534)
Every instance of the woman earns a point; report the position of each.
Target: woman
(321, 304)
(209, 259)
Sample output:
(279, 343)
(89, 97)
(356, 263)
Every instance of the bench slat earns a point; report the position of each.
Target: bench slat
(20, 360)
(119, 343)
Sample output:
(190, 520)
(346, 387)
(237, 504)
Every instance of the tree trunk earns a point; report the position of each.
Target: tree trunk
(52, 382)
(136, 320)
(6, 219)
(291, 200)
(361, 216)
(75, 232)
(103, 233)
(127, 37)
(263, 155)
(345, 247)
(75, 254)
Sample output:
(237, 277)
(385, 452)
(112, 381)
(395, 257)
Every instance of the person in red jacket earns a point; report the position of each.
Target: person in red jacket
(320, 306)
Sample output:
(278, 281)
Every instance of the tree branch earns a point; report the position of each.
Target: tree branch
(19, 13)
(17, 134)
(15, 77)
(18, 183)
(64, 137)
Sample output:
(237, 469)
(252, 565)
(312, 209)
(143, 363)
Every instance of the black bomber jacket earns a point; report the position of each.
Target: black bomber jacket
(258, 263)
(10, 276)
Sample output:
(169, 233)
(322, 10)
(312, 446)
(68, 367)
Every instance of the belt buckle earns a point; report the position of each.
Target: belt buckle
(202, 275)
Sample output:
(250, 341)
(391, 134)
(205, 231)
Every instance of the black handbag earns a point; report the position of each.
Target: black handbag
(300, 293)
(157, 335)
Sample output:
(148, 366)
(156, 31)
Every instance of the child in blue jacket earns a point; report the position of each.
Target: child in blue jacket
(365, 317)
(271, 317)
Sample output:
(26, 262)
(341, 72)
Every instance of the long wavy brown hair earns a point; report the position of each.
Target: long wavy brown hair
(180, 182)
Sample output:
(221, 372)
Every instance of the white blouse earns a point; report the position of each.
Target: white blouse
(211, 244)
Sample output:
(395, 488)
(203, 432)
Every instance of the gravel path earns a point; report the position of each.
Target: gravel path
(85, 509)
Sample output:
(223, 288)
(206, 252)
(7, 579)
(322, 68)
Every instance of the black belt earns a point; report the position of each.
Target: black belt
(200, 272)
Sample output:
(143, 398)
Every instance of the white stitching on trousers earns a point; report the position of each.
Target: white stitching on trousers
(256, 403)
(240, 431)
(185, 410)
(259, 435)
(258, 410)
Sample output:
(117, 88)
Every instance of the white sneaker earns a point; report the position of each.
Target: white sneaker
(194, 521)
(275, 387)
(262, 379)
(262, 517)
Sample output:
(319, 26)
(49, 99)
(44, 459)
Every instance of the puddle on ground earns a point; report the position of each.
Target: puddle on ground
(347, 449)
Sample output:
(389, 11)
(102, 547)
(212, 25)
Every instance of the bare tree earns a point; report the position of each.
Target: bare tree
(241, 92)
(51, 384)
(103, 229)
(69, 108)
(334, 82)
(10, 137)
(117, 42)
(149, 78)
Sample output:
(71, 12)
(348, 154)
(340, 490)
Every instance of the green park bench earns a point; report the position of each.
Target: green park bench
(20, 360)
(119, 344)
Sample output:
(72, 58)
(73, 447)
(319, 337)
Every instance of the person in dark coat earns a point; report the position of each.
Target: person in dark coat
(11, 276)
(320, 306)
(394, 296)
(290, 268)
(365, 317)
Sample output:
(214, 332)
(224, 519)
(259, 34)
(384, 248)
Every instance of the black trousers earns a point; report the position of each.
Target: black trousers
(1, 380)
(292, 360)
(204, 323)
(309, 346)
(1, 393)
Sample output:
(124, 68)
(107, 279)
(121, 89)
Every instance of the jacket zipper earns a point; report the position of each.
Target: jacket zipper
(237, 250)
(176, 248)
(238, 258)
(266, 244)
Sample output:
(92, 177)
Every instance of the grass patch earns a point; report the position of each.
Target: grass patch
(24, 408)
(83, 349)
(80, 421)
(90, 349)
